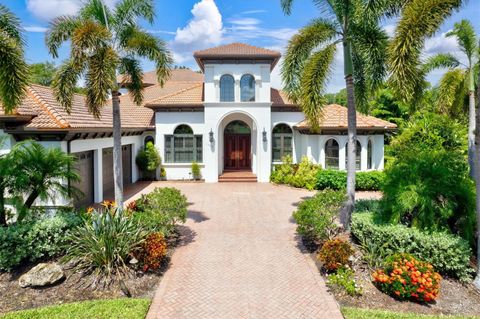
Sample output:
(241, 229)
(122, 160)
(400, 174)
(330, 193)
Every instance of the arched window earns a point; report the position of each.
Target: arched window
(358, 156)
(369, 154)
(183, 146)
(148, 139)
(237, 127)
(247, 88)
(331, 154)
(282, 136)
(227, 88)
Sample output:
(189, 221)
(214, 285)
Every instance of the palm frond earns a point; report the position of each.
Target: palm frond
(286, 6)
(420, 20)
(65, 82)
(101, 78)
(127, 11)
(13, 72)
(452, 91)
(88, 38)
(61, 29)
(377, 9)
(299, 49)
(313, 81)
(466, 36)
(440, 61)
(98, 11)
(131, 70)
(145, 45)
(11, 25)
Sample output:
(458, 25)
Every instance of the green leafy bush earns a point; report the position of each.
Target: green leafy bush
(335, 253)
(161, 210)
(148, 160)
(449, 254)
(365, 181)
(104, 243)
(305, 175)
(315, 217)
(196, 172)
(427, 185)
(34, 240)
(344, 278)
(283, 173)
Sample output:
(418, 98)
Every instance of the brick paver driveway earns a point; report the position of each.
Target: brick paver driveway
(241, 258)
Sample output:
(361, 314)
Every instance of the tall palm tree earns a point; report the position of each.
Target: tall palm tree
(310, 55)
(13, 68)
(459, 82)
(106, 42)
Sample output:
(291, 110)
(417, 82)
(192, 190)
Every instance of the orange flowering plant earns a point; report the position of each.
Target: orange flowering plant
(335, 253)
(153, 250)
(406, 278)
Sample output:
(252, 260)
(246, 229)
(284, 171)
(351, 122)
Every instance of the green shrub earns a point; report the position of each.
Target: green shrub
(104, 243)
(449, 254)
(148, 160)
(333, 179)
(34, 240)
(344, 278)
(315, 217)
(161, 210)
(283, 173)
(196, 172)
(428, 185)
(305, 175)
(335, 253)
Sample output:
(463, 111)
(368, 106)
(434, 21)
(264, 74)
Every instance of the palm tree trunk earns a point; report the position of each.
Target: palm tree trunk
(352, 136)
(477, 187)
(3, 215)
(117, 149)
(471, 124)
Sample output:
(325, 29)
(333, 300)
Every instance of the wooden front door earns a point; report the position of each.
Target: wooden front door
(237, 151)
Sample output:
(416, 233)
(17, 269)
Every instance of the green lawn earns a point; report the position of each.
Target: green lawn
(355, 313)
(98, 309)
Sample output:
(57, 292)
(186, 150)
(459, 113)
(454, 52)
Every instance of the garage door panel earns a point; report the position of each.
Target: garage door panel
(84, 168)
(108, 178)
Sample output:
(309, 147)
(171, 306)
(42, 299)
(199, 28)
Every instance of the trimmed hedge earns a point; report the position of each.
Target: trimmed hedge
(34, 240)
(365, 181)
(449, 254)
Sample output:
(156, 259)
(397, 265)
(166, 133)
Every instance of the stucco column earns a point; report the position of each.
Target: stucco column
(98, 175)
(342, 153)
(364, 154)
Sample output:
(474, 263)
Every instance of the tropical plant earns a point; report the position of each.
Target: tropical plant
(344, 278)
(427, 184)
(148, 160)
(152, 251)
(13, 68)
(42, 73)
(196, 172)
(46, 172)
(309, 59)
(458, 83)
(104, 243)
(335, 254)
(105, 42)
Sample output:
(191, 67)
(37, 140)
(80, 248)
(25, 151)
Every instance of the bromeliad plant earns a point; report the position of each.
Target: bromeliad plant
(407, 278)
(104, 243)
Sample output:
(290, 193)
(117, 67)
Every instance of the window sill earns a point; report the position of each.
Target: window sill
(180, 164)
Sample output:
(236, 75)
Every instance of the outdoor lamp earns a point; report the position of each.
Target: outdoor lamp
(264, 133)
(211, 136)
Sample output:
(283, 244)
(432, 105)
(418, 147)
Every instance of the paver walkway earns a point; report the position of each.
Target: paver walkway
(241, 258)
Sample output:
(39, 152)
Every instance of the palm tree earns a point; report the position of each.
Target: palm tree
(459, 82)
(477, 180)
(106, 42)
(309, 58)
(45, 171)
(13, 68)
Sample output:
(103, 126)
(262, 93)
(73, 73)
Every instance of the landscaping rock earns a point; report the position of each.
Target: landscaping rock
(42, 275)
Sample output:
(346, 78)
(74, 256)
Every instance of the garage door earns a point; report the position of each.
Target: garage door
(108, 185)
(84, 167)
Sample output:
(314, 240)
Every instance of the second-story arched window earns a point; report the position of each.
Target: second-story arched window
(227, 88)
(247, 88)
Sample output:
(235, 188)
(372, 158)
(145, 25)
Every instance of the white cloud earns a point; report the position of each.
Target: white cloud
(36, 29)
(254, 11)
(203, 30)
(50, 9)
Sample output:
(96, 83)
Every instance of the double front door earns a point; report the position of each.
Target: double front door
(237, 151)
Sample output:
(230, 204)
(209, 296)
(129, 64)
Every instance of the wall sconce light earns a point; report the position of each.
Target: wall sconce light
(211, 136)
(264, 134)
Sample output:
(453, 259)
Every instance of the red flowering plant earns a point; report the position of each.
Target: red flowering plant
(335, 253)
(406, 278)
(152, 252)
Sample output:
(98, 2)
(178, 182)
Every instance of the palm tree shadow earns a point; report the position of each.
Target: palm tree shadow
(185, 235)
(197, 216)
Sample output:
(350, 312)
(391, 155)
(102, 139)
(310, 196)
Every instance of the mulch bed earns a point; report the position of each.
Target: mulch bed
(455, 298)
(78, 286)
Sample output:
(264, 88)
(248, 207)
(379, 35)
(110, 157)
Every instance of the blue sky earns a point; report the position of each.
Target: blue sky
(189, 25)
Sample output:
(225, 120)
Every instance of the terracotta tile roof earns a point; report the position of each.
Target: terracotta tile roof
(280, 98)
(189, 96)
(335, 117)
(176, 75)
(236, 51)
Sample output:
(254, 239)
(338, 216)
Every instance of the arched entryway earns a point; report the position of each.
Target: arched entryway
(237, 146)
